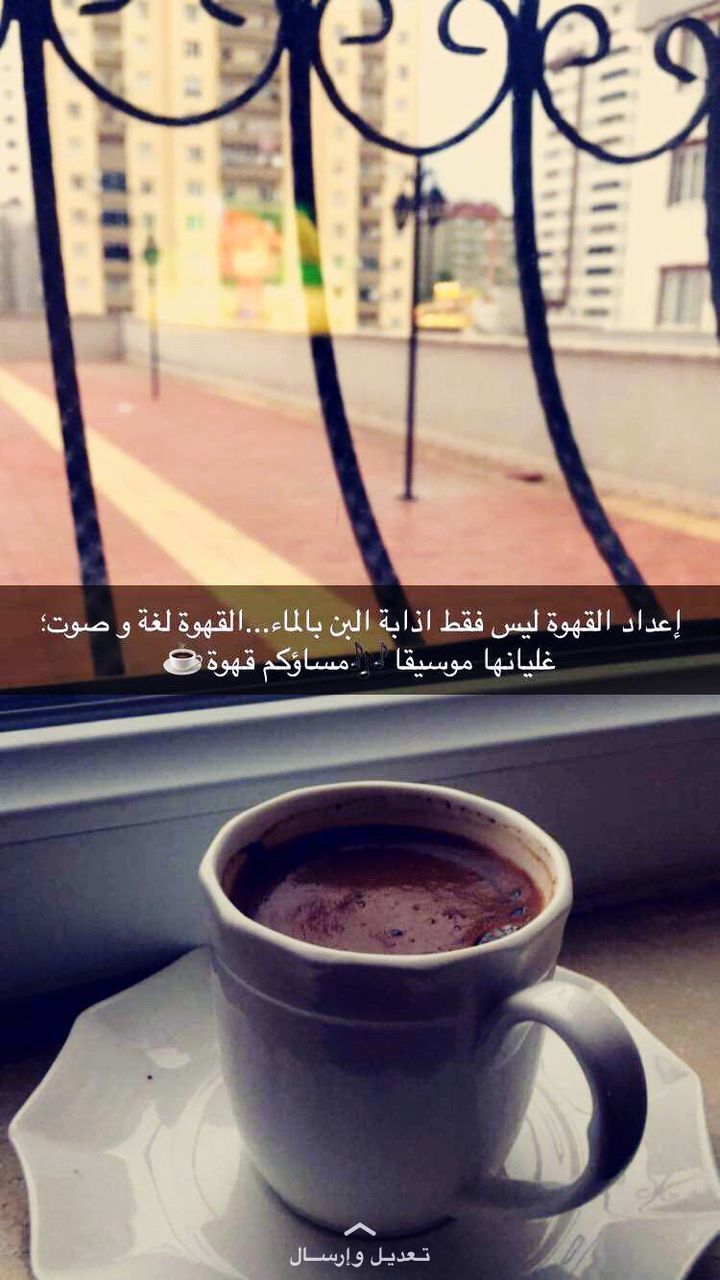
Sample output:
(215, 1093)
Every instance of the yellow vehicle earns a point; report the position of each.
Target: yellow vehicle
(451, 309)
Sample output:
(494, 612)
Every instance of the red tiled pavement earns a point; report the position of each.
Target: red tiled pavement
(270, 474)
(37, 543)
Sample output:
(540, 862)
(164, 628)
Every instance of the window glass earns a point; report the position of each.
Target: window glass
(334, 375)
(687, 173)
(683, 294)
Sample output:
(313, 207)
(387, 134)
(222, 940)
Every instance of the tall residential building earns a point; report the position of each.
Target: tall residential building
(217, 198)
(666, 279)
(582, 203)
(19, 272)
(15, 184)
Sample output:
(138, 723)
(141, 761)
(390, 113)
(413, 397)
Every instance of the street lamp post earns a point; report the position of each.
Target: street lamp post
(151, 254)
(422, 206)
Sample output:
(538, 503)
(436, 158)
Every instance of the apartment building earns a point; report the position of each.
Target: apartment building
(15, 184)
(19, 273)
(217, 198)
(666, 279)
(582, 204)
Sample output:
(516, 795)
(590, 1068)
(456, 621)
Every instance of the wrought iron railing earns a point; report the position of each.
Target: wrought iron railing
(300, 24)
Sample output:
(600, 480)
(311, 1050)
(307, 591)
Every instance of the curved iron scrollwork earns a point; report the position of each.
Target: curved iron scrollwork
(299, 34)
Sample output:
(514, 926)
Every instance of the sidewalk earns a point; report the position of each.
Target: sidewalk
(199, 487)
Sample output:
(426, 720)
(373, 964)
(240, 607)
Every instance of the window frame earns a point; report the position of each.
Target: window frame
(680, 175)
(666, 272)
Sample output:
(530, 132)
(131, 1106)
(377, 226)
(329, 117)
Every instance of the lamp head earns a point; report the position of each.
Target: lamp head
(402, 209)
(436, 204)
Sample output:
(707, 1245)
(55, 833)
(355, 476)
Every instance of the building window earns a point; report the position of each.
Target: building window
(192, 49)
(195, 222)
(116, 253)
(687, 173)
(195, 153)
(113, 180)
(114, 218)
(682, 295)
(193, 87)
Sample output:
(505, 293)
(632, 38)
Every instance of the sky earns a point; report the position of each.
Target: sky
(454, 89)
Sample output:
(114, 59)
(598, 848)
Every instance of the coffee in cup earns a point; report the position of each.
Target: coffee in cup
(393, 890)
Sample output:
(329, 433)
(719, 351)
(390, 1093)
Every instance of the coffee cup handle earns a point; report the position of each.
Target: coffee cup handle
(612, 1066)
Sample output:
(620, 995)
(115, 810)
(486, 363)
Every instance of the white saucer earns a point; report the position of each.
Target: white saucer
(172, 671)
(135, 1170)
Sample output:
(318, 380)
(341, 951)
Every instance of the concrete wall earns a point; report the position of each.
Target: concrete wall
(25, 337)
(645, 418)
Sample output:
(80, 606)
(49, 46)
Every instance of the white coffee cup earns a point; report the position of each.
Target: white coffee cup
(389, 1089)
(182, 659)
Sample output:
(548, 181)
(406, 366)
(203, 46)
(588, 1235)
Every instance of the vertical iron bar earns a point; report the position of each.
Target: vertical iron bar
(526, 52)
(105, 646)
(300, 36)
(413, 340)
(712, 177)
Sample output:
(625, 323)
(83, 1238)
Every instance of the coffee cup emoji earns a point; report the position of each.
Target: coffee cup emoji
(182, 662)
